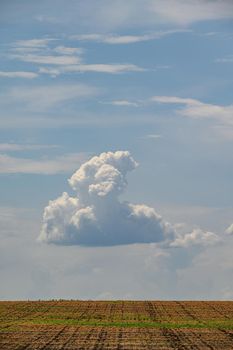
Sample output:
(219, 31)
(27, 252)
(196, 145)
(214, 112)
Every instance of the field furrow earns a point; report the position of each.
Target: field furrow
(116, 325)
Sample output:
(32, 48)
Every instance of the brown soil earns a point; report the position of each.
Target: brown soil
(28, 325)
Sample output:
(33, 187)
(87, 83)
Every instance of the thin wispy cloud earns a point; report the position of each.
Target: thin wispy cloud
(43, 97)
(40, 51)
(227, 59)
(153, 136)
(75, 119)
(105, 68)
(108, 15)
(121, 103)
(25, 75)
(96, 68)
(224, 131)
(48, 19)
(60, 164)
(48, 59)
(26, 50)
(198, 110)
(34, 43)
(8, 147)
(114, 39)
(43, 46)
(187, 12)
(68, 50)
(66, 59)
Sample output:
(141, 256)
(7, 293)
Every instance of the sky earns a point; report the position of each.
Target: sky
(116, 136)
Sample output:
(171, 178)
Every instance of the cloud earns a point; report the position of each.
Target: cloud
(48, 59)
(122, 103)
(34, 43)
(63, 59)
(97, 68)
(30, 46)
(68, 50)
(26, 75)
(110, 14)
(96, 217)
(174, 99)
(48, 19)
(33, 271)
(184, 13)
(104, 68)
(40, 52)
(227, 59)
(153, 136)
(124, 39)
(197, 109)
(46, 166)
(196, 237)
(46, 96)
(229, 230)
(57, 120)
(222, 132)
(23, 147)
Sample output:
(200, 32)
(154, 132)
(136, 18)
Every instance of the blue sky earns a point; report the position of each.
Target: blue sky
(150, 77)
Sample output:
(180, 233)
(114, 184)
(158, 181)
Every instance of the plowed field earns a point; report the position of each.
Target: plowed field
(51, 325)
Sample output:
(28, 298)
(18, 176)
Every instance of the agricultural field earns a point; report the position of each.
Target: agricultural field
(51, 325)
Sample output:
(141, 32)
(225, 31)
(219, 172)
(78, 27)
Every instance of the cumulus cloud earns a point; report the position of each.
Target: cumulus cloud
(196, 237)
(96, 216)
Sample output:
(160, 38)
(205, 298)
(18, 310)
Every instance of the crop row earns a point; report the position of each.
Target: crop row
(59, 337)
(128, 311)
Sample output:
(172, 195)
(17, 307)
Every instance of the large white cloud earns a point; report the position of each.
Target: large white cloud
(96, 217)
